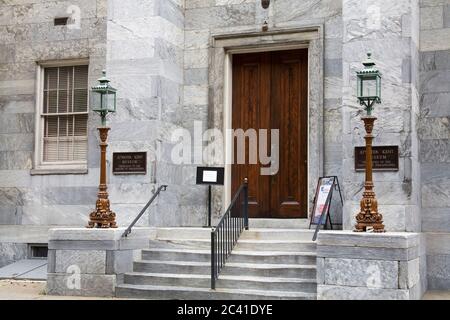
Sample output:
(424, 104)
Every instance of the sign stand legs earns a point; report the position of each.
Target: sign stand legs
(209, 205)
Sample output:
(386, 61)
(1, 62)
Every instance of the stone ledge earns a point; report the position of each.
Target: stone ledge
(98, 245)
(400, 240)
(86, 234)
(368, 253)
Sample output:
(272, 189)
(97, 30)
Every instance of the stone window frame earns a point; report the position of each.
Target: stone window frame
(62, 167)
(221, 48)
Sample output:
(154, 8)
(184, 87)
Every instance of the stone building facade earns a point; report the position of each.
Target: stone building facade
(170, 61)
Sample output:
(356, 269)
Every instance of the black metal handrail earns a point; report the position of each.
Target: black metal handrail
(128, 230)
(227, 232)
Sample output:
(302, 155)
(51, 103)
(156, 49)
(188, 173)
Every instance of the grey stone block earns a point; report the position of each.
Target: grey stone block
(88, 261)
(409, 274)
(362, 273)
(170, 11)
(431, 17)
(442, 60)
(333, 67)
(435, 220)
(119, 262)
(15, 160)
(196, 76)
(385, 240)
(435, 283)
(437, 243)
(17, 123)
(368, 253)
(325, 292)
(84, 234)
(78, 284)
(17, 142)
(69, 196)
(83, 245)
(51, 261)
(220, 16)
(447, 16)
(406, 71)
(320, 271)
(436, 150)
(12, 252)
(434, 81)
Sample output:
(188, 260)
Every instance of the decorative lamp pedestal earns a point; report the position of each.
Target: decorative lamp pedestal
(369, 215)
(102, 217)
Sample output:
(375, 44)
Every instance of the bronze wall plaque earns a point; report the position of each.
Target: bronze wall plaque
(385, 158)
(130, 163)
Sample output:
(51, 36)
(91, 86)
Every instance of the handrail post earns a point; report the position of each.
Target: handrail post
(213, 261)
(246, 203)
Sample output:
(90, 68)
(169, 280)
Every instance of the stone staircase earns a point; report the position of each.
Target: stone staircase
(267, 263)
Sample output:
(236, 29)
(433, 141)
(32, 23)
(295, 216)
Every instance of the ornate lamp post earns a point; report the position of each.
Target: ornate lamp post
(103, 100)
(369, 93)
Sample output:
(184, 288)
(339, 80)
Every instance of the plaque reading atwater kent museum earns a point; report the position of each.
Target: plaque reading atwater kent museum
(130, 162)
(384, 158)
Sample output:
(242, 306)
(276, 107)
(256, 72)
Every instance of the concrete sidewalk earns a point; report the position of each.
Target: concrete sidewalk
(35, 290)
(32, 290)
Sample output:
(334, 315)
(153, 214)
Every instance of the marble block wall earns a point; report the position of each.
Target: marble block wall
(373, 26)
(28, 35)
(204, 18)
(368, 266)
(91, 262)
(145, 41)
(434, 134)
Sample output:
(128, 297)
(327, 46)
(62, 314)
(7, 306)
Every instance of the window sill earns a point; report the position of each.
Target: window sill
(59, 171)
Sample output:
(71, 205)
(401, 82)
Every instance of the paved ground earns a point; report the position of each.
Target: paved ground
(437, 295)
(31, 290)
(35, 290)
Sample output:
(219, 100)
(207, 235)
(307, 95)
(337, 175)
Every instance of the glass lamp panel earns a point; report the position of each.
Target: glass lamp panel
(369, 87)
(111, 101)
(104, 101)
(379, 87)
(96, 101)
(359, 86)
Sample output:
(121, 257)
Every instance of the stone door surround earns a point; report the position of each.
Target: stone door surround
(223, 46)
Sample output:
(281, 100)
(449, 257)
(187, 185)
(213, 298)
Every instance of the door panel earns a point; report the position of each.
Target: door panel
(289, 115)
(270, 92)
(251, 109)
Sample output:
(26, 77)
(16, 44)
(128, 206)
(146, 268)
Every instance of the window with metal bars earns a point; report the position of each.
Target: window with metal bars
(65, 114)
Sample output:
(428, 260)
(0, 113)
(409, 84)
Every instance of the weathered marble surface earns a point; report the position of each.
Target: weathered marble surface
(370, 266)
(11, 252)
(88, 262)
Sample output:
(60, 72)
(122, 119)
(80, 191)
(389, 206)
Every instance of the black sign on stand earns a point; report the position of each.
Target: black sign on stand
(322, 202)
(210, 176)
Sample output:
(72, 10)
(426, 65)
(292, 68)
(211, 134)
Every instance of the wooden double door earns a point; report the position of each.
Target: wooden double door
(270, 91)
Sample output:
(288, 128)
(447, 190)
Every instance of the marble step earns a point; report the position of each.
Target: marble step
(279, 223)
(231, 268)
(180, 254)
(192, 293)
(288, 233)
(277, 234)
(243, 244)
(275, 245)
(224, 282)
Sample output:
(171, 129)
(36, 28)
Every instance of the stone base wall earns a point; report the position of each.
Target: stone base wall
(90, 262)
(368, 266)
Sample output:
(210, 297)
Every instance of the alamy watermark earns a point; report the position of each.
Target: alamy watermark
(250, 146)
